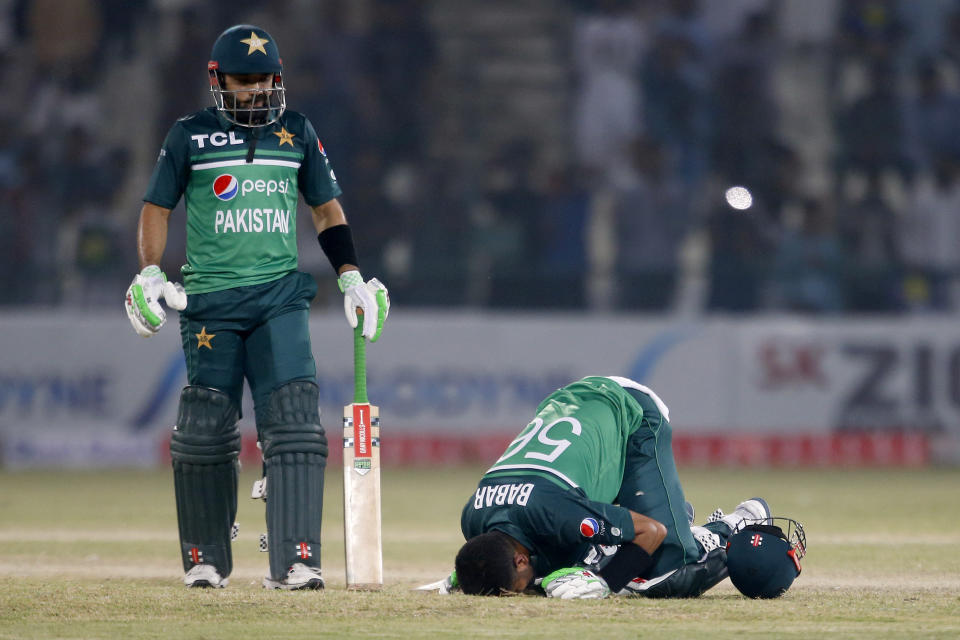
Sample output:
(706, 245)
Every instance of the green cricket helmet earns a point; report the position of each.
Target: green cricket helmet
(240, 50)
(763, 561)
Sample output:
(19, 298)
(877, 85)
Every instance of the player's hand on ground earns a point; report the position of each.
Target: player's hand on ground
(142, 301)
(574, 583)
(370, 297)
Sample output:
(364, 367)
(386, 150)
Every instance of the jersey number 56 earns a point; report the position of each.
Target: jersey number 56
(552, 447)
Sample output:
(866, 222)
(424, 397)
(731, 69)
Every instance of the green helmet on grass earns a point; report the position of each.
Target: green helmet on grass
(247, 50)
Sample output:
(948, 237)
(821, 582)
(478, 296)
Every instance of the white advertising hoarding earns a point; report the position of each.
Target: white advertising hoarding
(88, 384)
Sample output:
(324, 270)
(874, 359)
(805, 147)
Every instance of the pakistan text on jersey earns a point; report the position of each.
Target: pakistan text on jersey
(252, 221)
(501, 494)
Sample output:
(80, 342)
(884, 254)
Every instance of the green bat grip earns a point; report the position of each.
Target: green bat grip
(359, 363)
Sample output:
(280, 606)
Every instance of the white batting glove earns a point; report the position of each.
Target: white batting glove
(371, 297)
(575, 583)
(142, 301)
(443, 587)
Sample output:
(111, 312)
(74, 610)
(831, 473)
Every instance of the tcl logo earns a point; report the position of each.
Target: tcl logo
(217, 139)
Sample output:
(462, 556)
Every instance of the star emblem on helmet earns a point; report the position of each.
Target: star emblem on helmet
(255, 43)
(285, 137)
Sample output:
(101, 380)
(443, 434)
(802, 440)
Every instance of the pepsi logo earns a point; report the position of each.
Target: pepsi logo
(589, 527)
(225, 187)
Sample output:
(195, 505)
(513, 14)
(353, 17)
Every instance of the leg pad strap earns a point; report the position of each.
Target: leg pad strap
(292, 422)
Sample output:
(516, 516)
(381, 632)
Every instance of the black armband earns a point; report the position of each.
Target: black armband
(628, 563)
(337, 244)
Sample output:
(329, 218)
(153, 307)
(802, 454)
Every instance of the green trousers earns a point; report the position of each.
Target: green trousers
(651, 486)
(259, 333)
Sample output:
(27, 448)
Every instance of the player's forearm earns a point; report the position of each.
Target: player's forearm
(648, 533)
(152, 234)
(329, 214)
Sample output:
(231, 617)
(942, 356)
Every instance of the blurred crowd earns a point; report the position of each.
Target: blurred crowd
(840, 117)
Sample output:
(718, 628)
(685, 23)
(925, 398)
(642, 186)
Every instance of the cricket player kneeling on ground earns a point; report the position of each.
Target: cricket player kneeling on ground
(586, 502)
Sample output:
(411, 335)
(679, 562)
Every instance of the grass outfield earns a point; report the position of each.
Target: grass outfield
(94, 555)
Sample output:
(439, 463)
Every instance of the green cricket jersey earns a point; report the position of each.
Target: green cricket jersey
(240, 189)
(553, 488)
(577, 439)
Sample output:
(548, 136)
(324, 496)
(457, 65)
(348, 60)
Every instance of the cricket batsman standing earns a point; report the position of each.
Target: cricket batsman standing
(244, 307)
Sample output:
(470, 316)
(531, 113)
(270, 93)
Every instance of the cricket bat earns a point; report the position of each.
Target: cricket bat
(361, 479)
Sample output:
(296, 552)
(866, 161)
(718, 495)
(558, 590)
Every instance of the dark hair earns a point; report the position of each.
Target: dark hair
(485, 565)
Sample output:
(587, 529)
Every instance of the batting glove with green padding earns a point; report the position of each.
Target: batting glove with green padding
(142, 301)
(370, 297)
(574, 583)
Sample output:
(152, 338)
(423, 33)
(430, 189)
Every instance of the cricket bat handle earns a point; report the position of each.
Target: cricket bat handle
(359, 363)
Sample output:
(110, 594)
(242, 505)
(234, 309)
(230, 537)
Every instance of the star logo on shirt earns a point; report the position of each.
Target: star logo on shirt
(255, 43)
(204, 338)
(285, 137)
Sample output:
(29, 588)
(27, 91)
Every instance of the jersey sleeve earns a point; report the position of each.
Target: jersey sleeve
(594, 522)
(572, 520)
(317, 181)
(170, 175)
